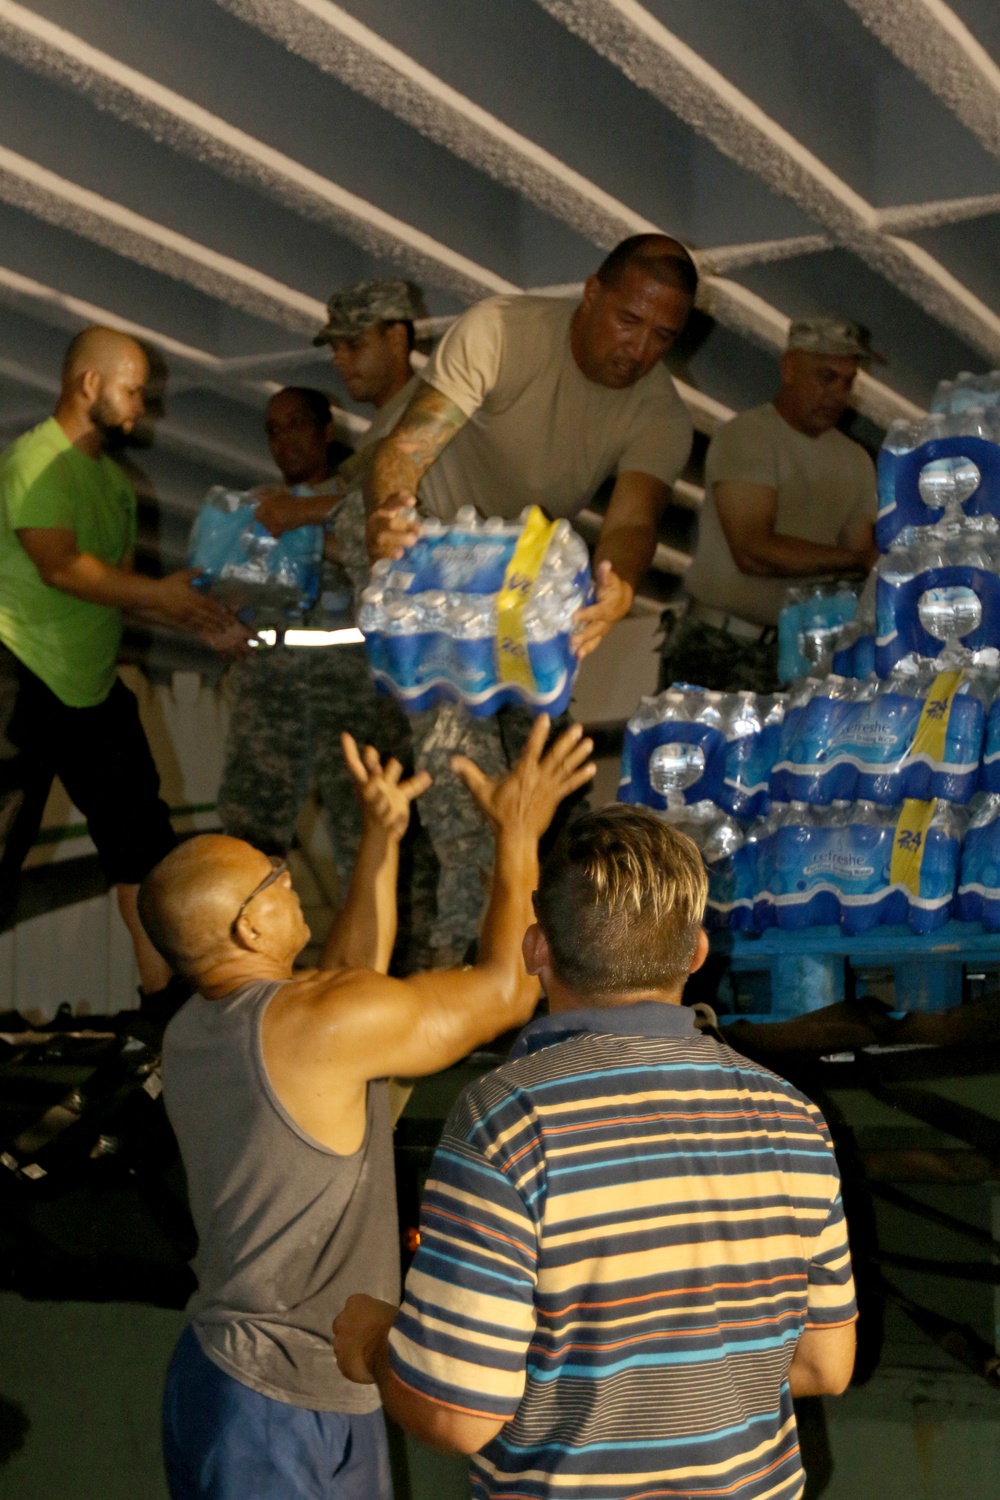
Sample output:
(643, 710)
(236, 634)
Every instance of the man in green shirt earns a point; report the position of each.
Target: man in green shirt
(67, 539)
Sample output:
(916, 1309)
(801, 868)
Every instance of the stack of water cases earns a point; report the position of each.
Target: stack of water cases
(703, 761)
(480, 612)
(882, 798)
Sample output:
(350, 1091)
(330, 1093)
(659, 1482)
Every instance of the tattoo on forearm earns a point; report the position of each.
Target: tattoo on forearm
(424, 431)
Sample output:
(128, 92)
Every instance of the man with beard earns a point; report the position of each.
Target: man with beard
(67, 539)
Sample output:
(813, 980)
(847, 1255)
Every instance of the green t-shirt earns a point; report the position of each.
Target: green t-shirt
(44, 481)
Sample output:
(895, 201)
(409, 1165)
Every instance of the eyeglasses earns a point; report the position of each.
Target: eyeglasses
(278, 868)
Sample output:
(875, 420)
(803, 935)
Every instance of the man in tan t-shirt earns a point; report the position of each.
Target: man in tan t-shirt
(537, 400)
(788, 498)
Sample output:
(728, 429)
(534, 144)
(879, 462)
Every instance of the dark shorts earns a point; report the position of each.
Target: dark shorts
(224, 1441)
(101, 756)
(708, 657)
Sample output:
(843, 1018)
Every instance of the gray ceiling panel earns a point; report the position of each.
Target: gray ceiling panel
(215, 168)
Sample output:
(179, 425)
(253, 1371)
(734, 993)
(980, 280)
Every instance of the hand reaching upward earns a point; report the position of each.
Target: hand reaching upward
(385, 798)
(525, 800)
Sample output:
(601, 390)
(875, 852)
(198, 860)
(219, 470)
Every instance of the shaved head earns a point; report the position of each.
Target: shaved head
(104, 375)
(102, 349)
(189, 902)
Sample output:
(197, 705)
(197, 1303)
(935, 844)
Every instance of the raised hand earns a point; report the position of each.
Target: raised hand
(613, 602)
(393, 527)
(385, 798)
(527, 797)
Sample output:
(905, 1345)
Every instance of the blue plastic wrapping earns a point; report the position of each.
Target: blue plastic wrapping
(809, 626)
(899, 601)
(482, 614)
(690, 745)
(814, 872)
(978, 897)
(850, 740)
(266, 580)
(900, 503)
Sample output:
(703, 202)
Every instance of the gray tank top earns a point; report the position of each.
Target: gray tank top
(287, 1228)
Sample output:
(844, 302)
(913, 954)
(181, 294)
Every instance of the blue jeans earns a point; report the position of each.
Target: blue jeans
(224, 1441)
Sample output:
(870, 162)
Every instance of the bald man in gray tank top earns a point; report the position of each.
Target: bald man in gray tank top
(276, 1085)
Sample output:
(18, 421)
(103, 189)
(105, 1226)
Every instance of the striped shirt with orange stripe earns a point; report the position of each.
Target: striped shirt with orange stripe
(625, 1230)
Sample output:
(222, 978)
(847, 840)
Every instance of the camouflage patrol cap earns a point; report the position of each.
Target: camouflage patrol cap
(833, 336)
(369, 303)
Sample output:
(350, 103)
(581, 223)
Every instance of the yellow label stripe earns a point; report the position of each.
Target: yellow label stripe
(908, 844)
(513, 663)
(932, 728)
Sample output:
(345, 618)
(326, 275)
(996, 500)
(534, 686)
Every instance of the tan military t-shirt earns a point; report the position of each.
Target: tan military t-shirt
(539, 432)
(823, 484)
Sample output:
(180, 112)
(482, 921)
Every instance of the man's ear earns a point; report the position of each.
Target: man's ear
(535, 950)
(700, 951)
(246, 935)
(591, 287)
(90, 384)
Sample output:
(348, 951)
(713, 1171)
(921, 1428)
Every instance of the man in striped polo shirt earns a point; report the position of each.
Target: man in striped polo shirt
(633, 1250)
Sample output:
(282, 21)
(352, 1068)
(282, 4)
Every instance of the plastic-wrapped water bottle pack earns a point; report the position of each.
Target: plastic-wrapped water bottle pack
(856, 865)
(266, 580)
(690, 745)
(939, 469)
(728, 859)
(916, 734)
(854, 648)
(480, 612)
(938, 587)
(978, 897)
(810, 626)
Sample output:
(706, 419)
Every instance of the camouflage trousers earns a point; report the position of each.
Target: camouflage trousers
(289, 707)
(709, 657)
(457, 830)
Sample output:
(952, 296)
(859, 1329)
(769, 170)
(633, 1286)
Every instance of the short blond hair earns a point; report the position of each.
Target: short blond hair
(621, 900)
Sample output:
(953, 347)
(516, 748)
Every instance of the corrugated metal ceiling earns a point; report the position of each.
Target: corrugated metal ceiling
(207, 171)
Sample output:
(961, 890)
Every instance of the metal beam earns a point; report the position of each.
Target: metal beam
(928, 38)
(657, 61)
(932, 215)
(27, 185)
(56, 53)
(327, 36)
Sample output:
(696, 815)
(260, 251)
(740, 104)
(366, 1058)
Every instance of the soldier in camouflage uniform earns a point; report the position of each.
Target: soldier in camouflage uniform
(290, 704)
(788, 498)
(494, 743)
(708, 656)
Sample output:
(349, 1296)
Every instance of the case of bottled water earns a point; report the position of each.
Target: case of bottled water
(691, 745)
(810, 624)
(979, 879)
(728, 859)
(481, 612)
(854, 648)
(938, 588)
(917, 734)
(939, 469)
(266, 580)
(856, 865)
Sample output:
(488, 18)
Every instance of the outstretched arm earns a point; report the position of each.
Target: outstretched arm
(400, 462)
(364, 930)
(351, 1027)
(624, 551)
